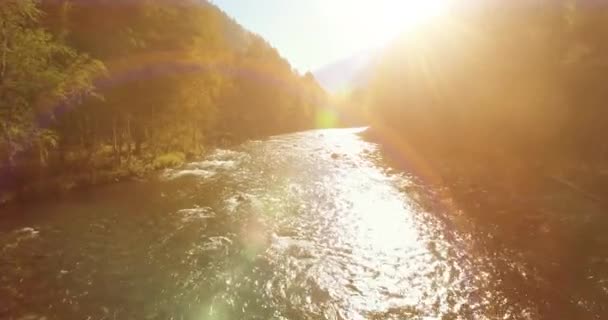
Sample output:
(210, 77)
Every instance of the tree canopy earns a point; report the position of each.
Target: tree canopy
(521, 79)
(78, 77)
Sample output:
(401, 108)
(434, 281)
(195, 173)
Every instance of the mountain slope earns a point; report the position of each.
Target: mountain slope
(177, 77)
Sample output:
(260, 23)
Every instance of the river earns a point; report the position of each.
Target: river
(311, 225)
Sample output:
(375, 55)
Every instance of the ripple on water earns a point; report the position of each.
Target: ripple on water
(180, 173)
(361, 250)
(220, 160)
(285, 231)
(193, 214)
(15, 238)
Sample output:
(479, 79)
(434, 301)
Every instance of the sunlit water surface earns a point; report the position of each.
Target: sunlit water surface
(310, 225)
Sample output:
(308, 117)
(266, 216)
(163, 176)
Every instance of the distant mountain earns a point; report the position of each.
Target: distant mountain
(346, 74)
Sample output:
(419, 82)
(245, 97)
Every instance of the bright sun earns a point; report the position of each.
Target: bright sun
(376, 22)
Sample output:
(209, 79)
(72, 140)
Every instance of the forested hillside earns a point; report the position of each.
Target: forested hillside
(499, 85)
(127, 86)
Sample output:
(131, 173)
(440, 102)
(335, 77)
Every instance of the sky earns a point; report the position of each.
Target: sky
(314, 33)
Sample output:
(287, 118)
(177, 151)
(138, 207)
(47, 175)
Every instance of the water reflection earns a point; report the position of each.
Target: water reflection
(364, 247)
(311, 225)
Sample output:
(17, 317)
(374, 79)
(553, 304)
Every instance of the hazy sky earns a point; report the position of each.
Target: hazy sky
(314, 33)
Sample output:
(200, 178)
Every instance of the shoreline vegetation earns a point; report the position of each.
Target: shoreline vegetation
(457, 172)
(499, 201)
(500, 96)
(97, 91)
(96, 170)
(496, 94)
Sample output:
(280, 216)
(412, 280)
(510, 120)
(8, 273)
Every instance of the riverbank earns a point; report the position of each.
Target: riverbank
(78, 171)
(460, 169)
(506, 198)
(45, 184)
(538, 222)
(81, 168)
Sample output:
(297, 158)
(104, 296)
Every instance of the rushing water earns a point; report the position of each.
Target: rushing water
(313, 225)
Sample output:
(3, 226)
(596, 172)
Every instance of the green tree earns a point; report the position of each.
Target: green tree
(37, 73)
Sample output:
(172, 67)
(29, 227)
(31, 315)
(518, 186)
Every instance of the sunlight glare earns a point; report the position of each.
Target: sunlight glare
(378, 22)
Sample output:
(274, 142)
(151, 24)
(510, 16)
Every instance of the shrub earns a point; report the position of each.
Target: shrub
(169, 160)
(139, 168)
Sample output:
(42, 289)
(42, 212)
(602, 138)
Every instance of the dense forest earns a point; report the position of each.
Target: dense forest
(502, 86)
(98, 90)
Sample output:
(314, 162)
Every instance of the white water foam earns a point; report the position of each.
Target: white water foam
(201, 173)
(198, 213)
(218, 161)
